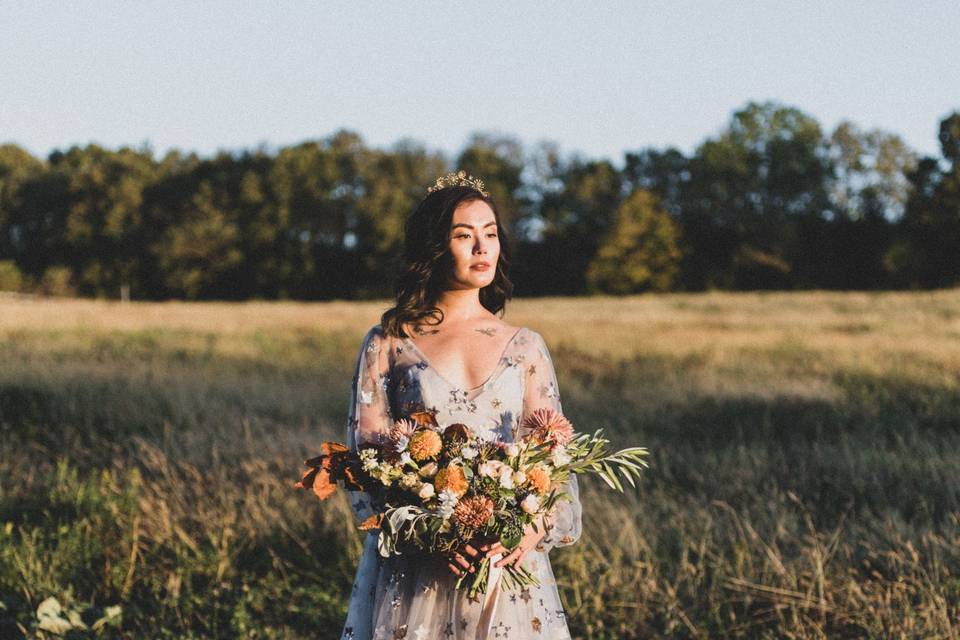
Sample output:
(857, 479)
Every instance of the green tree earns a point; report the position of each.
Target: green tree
(764, 173)
(640, 252)
(927, 254)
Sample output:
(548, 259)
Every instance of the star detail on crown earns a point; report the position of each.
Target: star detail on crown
(458, 179)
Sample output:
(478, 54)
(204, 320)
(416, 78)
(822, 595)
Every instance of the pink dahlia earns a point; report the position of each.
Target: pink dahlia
(546, 425)
(403, 427)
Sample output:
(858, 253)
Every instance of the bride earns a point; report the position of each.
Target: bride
(444, 349)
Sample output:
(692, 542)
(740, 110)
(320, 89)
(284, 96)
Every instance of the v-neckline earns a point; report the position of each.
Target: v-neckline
(482, 385)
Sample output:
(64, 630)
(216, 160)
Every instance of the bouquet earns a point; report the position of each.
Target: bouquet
(437, 487)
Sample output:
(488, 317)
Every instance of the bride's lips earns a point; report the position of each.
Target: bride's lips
(481, 266)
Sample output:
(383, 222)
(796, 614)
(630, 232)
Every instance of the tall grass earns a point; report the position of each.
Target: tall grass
(804, 480)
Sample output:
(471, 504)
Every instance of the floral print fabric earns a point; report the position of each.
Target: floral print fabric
(414, 597)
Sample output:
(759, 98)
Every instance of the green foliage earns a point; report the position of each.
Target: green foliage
(10, 277)
(640, 252)
(770, 202)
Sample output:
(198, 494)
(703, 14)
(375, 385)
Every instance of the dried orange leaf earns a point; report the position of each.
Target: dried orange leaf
(306, 481)
(322, 485)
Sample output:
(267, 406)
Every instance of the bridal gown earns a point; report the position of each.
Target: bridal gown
(415, 599)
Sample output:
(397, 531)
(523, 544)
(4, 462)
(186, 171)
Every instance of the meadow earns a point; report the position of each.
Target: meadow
(804, 476)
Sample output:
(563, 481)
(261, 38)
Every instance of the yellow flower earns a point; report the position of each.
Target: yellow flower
(424, 444)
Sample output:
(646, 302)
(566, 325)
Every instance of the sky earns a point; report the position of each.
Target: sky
(598, 79)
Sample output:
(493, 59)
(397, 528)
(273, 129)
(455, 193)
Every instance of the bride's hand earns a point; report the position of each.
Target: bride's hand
(529, 540)
(458, 558)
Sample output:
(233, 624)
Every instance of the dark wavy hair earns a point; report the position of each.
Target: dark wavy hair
(427, 262)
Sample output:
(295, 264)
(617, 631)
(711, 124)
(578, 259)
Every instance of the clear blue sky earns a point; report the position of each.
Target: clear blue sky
(599, 78)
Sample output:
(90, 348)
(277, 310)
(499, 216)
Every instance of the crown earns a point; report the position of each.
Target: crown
(458, 179)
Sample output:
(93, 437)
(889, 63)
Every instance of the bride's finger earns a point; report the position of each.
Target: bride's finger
(510, 559)
(463, 562)
(495, 549)
(454, 569)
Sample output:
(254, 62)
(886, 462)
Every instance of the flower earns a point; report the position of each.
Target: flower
(429, 470)
(426, 491)
(469, 452)
(473, 512)
(424, 444)
(448, 501)
(545, 425)
(402, 428)
(530, 504)
(560, 457)
(539, 479)
(410, 481)
(519, 477)
(455, 437)
(512, 450)
(405, 458)
(369, 458)
(506, 477)
(490, 468)
(451, 478)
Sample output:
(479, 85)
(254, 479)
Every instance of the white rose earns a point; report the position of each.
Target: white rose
(506, 478)
(405, 458)
(519, 477)
(469, 453)
(429, 470)
(490, 468)
(426, 491)
(530, 504)
(512, 450)
(402, 443)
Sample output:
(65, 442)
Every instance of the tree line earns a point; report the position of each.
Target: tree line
(772, 201)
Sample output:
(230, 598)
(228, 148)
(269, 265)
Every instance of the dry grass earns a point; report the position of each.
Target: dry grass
(804, 480)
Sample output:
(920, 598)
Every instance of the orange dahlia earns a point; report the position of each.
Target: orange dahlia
(539, 479)
(473, 512)
(424, 444)
(452, 478)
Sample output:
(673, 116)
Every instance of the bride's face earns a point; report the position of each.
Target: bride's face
(473, 239)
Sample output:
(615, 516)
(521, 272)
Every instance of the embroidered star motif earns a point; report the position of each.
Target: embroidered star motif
(537, 625)
(496, 403)
(525, 594)
(448, 630)
(400, 632)
(532, 370)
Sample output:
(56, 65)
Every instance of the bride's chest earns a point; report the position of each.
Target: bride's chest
(492, 409)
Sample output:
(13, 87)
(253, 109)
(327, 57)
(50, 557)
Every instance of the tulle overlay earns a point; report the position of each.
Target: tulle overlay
(414, 597)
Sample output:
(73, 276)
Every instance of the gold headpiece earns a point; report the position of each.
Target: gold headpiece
(458, 179)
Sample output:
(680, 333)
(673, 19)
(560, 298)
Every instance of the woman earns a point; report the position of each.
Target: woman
(443, 349)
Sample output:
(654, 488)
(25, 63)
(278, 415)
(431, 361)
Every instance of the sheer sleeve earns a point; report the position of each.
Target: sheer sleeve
(540, 391)
(369, 418)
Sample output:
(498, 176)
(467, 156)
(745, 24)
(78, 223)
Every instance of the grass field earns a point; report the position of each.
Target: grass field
(804, 478)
